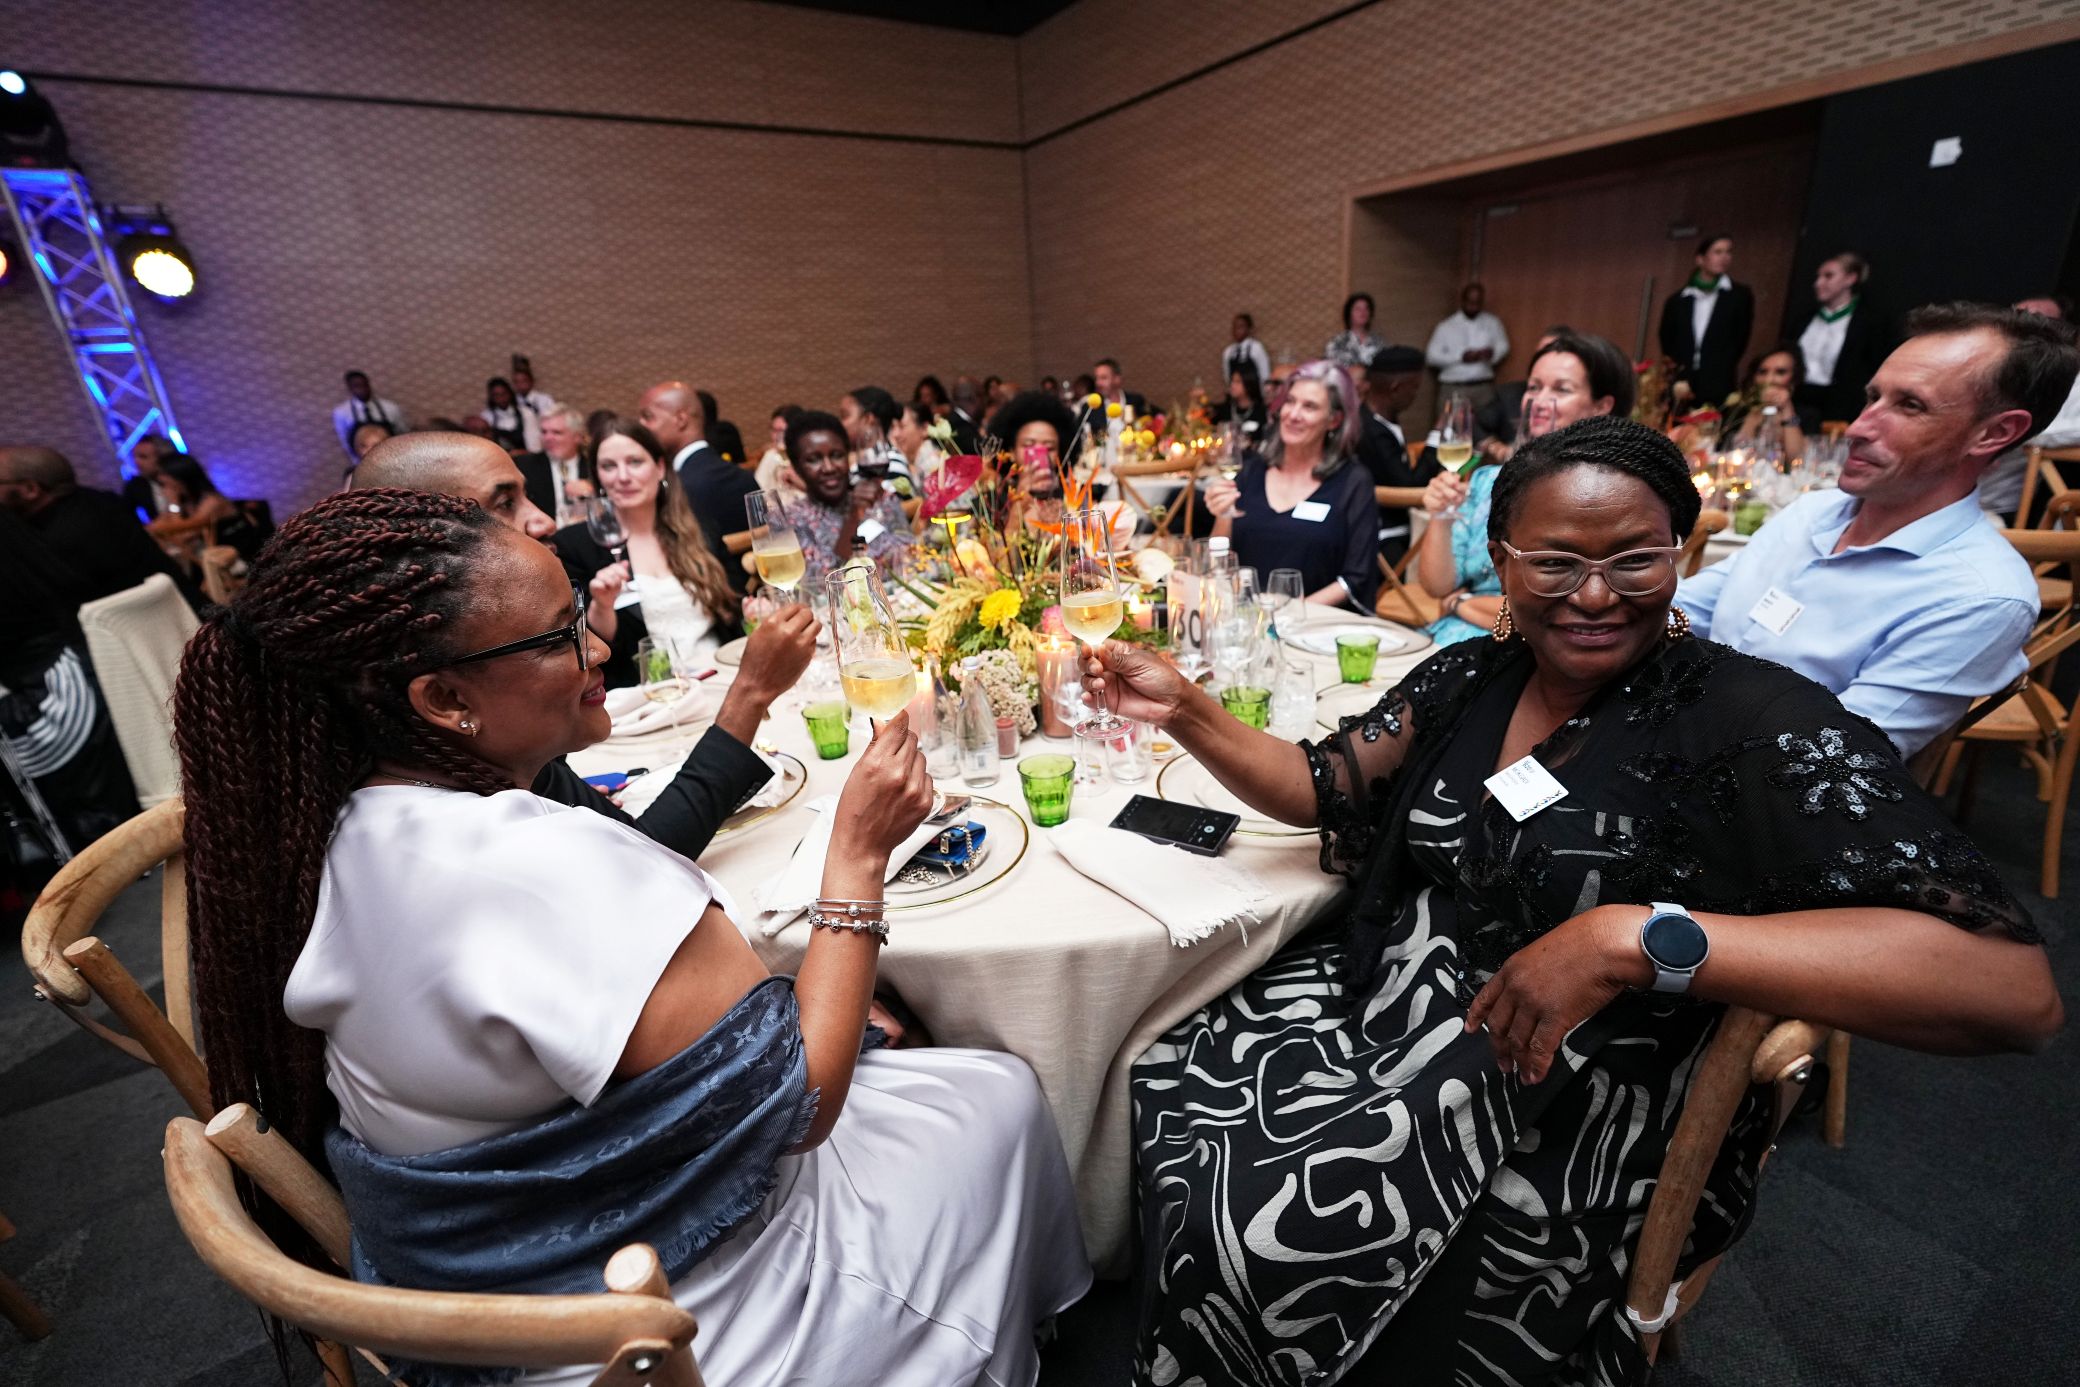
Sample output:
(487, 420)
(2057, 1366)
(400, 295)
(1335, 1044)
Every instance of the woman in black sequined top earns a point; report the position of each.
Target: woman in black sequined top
(1430, 1130)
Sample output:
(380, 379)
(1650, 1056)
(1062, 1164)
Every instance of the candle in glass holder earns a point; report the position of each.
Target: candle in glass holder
(1057, 660)
(1142, 612)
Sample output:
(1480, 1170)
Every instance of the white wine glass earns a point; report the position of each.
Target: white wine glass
(775, 547)
(1455, 442)
(1092, 603)
(662, 674)
(873, 662)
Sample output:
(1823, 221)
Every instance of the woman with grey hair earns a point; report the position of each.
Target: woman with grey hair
(1300, 503)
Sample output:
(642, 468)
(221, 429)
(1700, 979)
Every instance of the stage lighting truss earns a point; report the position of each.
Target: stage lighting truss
(59, 231)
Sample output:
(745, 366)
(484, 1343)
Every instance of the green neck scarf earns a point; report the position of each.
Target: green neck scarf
(1701, 281)
(1832, 315)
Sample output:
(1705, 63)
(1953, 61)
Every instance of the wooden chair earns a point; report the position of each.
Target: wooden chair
(1749, 1048)
(737, 543)
(2061, 513)
(71, 967)
(15, 1306)
(1709, 523)
(219, 583)
(1126, 473)
(2044, 465)
(1831, 429)
(1400, 599)
(633, 1326)
(2030, 717)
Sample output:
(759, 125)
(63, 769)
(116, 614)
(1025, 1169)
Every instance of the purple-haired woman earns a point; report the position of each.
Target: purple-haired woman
(1304, 501)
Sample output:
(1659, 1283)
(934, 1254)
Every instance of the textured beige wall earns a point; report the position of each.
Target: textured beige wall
(1149, 227)
(426, 245)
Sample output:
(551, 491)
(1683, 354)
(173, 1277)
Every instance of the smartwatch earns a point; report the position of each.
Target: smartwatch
(1675, 944)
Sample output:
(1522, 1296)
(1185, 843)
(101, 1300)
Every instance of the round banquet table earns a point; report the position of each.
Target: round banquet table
(1046, 964)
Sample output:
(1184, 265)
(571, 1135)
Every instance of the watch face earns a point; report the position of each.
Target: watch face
(1674, 941)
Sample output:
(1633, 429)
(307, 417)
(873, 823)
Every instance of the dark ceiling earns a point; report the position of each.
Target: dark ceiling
(979, 16)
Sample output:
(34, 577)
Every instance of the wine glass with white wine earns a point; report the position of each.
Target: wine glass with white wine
(1092, 603)
(873, 662)
(775, 548)
(1455, 441)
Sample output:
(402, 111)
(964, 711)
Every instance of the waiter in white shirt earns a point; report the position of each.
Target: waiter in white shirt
(1465, 348)
(363, 406)
(528, 392)
(1243, 347)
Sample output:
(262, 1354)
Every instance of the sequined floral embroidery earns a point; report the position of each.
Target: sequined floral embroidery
(1824, 773)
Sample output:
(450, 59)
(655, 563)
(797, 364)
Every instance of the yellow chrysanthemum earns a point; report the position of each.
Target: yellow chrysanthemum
(999, 607)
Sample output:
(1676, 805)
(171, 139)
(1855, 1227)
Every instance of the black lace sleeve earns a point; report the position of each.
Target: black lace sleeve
(1355, 767)
(1784, 800)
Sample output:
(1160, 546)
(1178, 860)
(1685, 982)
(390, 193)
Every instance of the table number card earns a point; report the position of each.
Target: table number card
(1524, 788)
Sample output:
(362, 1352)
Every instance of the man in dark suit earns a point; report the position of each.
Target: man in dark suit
(142, 490)
(1392, 381)
(1706, 324)
(558, 478)
(94, 533)
(715, 488)
(966, 416)
(723, 436)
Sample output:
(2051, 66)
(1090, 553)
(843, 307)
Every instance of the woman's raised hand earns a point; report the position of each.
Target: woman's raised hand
(606, 585)
(1135, 683)
(886, 797)
(1220, 497)
(1445, 492)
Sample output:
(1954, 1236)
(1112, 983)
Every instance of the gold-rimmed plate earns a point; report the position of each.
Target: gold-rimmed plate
(1334, 702)
(1318, 636)
(1004, 846)
(1187, 781)
(793, 777)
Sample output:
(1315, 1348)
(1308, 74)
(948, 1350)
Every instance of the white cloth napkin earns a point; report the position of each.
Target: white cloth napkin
(635, 715)
(791, 893)
(1191, 895)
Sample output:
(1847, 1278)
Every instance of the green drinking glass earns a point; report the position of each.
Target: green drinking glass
(827, 727)
(1355, 658)
(1048, 779)
(1249, 703)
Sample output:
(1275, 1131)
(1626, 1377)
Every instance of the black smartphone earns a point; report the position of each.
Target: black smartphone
(1184, 826)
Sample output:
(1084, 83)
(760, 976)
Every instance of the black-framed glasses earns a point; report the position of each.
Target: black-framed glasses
(1634, 573)
(575, 633)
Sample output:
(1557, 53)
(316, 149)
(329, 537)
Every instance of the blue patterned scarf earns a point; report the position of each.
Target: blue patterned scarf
(675, 1157)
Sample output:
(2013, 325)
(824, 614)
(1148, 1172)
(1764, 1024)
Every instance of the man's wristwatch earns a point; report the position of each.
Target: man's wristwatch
(1675, 944)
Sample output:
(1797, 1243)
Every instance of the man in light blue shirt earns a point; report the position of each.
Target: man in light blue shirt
(1896, 592)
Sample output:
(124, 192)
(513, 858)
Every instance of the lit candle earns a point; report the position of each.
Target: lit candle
(1143, 614)
(1057, 660)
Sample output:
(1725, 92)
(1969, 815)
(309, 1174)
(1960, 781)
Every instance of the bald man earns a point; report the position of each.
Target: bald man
(721, 771)
(715, 488)
(93, 532)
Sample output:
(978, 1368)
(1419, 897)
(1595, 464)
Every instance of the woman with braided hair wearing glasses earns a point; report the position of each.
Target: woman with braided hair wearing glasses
(520, 1035)
(1572, 843)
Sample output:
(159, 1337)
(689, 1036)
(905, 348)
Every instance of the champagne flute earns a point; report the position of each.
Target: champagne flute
(604, 524)
(775, 547)
(1092, 604)
(1455, 442)
(873, 662)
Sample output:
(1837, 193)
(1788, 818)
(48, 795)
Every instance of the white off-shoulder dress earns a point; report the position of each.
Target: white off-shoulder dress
(477, 962)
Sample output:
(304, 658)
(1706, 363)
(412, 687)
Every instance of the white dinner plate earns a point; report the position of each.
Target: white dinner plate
(1187, 781)
(732, 654)
(1339, 701)
(1319, 637)
(919, 887)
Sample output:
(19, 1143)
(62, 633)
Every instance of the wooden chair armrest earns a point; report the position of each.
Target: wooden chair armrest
(74, 899)
(1716, 1089)
(521, 1331)
(738, 543)
(1398, 497)
(1789, 1046)
(147, 1025)
(1156, 467)
(266, 1156)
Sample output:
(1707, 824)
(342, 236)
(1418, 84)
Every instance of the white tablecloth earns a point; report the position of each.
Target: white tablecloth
(1049, 965)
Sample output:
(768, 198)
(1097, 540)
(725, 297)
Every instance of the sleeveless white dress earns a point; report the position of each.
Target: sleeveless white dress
(477, 962)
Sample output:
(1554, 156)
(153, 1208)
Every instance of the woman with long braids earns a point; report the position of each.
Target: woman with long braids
(1424, 1137)
(457, 993)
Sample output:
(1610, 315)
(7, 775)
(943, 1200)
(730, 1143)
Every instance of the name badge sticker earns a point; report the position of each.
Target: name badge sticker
(871, 530)
(1314, 511)
(1524, 788)
(1775, 612)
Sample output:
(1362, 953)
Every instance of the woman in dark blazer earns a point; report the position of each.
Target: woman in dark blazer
(1842, 339)
(1710, 367)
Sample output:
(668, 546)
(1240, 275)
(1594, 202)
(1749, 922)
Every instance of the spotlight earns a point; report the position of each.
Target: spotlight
(8, 257)
(30, 135)
(151, 254)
